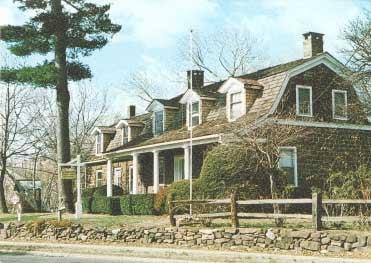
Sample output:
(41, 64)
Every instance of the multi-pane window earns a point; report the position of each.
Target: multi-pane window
(194, 118)
(339, 104)
(98, 143)
(288, 163)
(236, 106)
(304, 101)
(178, 168)
(117, 177)
(125, 134)
(98, 178)
(159, 122)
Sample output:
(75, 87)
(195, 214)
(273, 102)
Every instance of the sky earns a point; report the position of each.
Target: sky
(152, 30)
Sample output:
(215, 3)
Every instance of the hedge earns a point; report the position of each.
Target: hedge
(140, 204)
(106, 205)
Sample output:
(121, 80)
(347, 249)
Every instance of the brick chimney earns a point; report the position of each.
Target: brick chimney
(313, 44)
(197, 78)
(131, 111)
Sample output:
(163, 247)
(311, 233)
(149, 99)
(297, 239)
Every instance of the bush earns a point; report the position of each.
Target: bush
(86, 203)
(105, 205)
(102, 190)
(140, 204)
(161, 201)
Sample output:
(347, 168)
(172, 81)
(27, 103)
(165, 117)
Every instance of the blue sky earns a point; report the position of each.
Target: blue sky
(152, 29)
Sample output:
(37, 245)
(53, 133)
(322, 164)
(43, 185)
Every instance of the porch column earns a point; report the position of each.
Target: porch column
(156, 171)
(109, 178)
(186, 162)
(135, 173)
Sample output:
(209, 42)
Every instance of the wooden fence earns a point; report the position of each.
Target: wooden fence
(317, 216)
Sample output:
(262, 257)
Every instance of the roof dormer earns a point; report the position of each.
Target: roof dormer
(103, 135)
(129, 129)
(240, 96)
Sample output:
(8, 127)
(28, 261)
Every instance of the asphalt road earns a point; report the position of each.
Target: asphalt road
(27, 258)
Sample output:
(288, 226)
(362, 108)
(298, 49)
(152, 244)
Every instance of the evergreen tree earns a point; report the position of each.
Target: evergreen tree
(70, 30)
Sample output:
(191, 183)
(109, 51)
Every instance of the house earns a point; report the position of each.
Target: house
(143, 153)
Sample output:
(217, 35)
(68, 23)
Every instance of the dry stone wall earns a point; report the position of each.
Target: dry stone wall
(228, 238)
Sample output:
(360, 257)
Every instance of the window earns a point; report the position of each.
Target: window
(98, 178)
(117, 177)
(194, 116)
(288, 163)
(236, 105)
(125, 134)
(98, 143)
(159, 122)
(339, 104)
(178, 168)
(304, 101)
(162, 171)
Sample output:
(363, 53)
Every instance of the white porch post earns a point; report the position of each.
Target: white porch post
(156, 171)
(186, 162)
(135, 173)
(109, 178)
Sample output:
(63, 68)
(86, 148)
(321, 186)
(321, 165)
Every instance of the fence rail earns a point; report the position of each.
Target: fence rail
(316, 216)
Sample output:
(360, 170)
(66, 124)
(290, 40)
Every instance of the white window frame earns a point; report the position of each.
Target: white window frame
(101, 143)
(118, 169)
(96, 177)
(233, 90)
(190, 113)
(291, 148)
(298, 87)
(127, 135)
(334, 91)
(130, 173)
(154, 122)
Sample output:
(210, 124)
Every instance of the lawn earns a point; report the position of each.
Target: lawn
(92, 220)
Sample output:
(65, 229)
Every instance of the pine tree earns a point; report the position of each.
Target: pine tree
(70, 30)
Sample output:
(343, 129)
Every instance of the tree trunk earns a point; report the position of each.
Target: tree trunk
(63, 101)
(3, 207)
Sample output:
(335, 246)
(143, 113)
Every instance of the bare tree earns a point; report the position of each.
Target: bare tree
(357, 34)
(223, 53)
(16, 128)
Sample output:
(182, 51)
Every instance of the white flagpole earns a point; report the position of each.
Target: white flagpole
(190, 121)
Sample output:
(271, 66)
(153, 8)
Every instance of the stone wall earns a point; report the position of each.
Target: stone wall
(243, 238)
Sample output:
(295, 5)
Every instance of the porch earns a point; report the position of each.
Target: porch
(154, 166)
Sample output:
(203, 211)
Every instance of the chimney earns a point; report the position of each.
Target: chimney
(313, 44)
(131, 111)
(197, 78)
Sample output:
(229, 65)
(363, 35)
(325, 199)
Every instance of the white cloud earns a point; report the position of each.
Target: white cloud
(156, 24)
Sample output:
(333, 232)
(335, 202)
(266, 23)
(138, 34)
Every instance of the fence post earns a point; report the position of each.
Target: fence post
(171, 213)
(317, 211)
(234, 215)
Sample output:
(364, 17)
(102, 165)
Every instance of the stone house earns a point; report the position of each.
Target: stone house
(143, 153)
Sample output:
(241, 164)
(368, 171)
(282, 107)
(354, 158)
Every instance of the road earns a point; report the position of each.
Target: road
(29, 258)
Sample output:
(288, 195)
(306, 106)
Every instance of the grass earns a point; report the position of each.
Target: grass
(92, 220)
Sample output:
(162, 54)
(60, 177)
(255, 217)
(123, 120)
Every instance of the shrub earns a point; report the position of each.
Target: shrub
(102, 190)
(106, 205)
(161, 201)
(86, 203)
(125, 205)
(142, 204)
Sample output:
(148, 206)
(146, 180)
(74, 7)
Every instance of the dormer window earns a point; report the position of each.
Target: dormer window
(158, 122)
(304, 106)
(125, 134)
(236, 105)
(339, 104)
(98, 143)
(194, 114)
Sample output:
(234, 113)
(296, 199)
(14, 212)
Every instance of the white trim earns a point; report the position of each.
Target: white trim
(128, 123)
(114, 175)
(122, 135)
(230, 83)
(296, 178)
(96, 177)
(189, 96)
(333, 104)
(169, 145)
(180, 157)
(101, 135)
(330, 125)
(326, 59)
(154, 122)
(190, 114)
(298, 87)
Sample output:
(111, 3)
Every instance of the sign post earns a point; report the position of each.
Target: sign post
(72, 171)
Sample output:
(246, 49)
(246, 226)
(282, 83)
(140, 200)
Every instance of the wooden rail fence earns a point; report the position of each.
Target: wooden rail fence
(317, 216)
